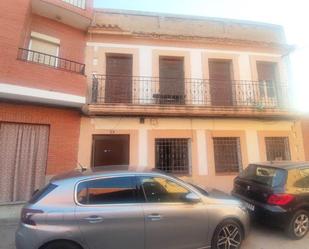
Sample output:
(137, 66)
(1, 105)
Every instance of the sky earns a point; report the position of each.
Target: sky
(293, 15)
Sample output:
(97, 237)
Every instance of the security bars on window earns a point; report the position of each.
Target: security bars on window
(227, 153)
(172, 155)
(277, 148)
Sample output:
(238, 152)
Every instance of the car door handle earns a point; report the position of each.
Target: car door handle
(154, 217)
(94, 219)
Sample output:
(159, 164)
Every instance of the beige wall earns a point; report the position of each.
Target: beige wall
(202, 164)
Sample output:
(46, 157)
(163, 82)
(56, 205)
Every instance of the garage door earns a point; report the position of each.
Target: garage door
(23, 158)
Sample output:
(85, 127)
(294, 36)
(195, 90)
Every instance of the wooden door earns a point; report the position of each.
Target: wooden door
(110, 150)
(118, 87)
(172, 86)
(220, 79)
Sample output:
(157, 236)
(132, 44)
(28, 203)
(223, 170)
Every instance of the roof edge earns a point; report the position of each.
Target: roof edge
(188, 17)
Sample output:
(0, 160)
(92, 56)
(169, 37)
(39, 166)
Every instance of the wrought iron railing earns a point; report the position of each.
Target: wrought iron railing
(77, 3)
(50, 60)
(117, 89)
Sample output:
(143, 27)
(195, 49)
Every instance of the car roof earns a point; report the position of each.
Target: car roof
(287, 165)
(85, 173)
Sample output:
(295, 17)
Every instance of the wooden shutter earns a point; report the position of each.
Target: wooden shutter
(220, 75)
(118, 88)
(171, 79)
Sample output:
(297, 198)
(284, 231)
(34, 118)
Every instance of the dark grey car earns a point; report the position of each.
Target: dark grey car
(129, 209)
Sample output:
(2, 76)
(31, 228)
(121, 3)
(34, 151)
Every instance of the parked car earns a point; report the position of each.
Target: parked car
(277, 193)
(129, 209)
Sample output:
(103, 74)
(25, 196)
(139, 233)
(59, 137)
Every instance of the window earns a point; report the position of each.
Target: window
(220, 76)
(158, 189)
(44, 49)
(77, 3)
(272, 177)
(172, 155)
(118, 85)
(303, 179)
(267, 78)
(172, 87)
(227, 153)
(112, 190)
(40, 194)
(277, 148)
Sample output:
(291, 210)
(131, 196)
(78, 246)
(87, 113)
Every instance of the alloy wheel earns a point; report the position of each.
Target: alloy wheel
(301, 225)
(229, 237)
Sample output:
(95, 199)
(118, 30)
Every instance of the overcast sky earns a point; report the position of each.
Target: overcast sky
(293, 15)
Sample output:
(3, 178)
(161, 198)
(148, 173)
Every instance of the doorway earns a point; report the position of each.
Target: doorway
(110, 150)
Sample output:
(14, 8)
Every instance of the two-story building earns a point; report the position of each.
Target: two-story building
(42, 89)
(196, 97)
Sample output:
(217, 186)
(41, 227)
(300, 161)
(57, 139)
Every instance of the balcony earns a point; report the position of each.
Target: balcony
(75, 13)
(77, 3)
(50, 61)
(151, 96)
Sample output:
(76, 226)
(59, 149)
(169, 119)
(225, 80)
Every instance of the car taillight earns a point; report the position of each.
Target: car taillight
(280, 199)
(27, 215)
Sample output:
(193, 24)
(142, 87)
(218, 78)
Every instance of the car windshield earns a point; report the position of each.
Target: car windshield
(200, 189)
(269, 176)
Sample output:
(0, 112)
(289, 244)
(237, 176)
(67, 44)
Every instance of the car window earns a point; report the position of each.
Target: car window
(303, 180)
(40, 194)
(268, 176)
(112, 190)
(159, 189)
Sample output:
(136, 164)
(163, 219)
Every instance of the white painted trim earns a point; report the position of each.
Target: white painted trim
(45, 37)
(142, 148)
(202, 152)
(14, 92)
(123, 45)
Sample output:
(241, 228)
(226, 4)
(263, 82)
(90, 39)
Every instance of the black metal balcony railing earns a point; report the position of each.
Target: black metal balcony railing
(112, 89)
(50, 60)
(77, 3)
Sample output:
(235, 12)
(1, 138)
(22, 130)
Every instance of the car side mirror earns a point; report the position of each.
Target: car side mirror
(192, 198)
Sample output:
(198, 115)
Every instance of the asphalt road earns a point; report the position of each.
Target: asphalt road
(260, 237)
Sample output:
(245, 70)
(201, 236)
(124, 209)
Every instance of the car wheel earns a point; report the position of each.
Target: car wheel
(62, 245)
(228, 235)
(299, 225)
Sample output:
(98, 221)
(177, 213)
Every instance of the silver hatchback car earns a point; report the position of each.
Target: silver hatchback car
(129, 209)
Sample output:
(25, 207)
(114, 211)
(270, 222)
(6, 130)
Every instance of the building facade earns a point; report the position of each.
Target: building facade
(42, 89)
(198, 97)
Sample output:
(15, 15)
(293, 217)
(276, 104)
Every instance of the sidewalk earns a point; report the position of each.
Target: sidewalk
(7, 233)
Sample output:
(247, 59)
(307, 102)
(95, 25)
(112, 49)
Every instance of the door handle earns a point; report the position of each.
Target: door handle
(94, 219)
(154, 217)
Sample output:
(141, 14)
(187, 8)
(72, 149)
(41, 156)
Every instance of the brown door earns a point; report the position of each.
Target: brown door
(171, 80)
(220, 75)
(267, 78)
(118, 87)
(109, 150)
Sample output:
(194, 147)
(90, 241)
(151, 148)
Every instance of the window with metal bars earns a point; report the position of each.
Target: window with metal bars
(227, 153)
(172, 155)
(277, 149)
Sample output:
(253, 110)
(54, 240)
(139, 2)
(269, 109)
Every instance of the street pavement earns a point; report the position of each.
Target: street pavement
(260, 237)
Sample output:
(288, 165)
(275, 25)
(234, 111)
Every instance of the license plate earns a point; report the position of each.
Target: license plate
(249, 206)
